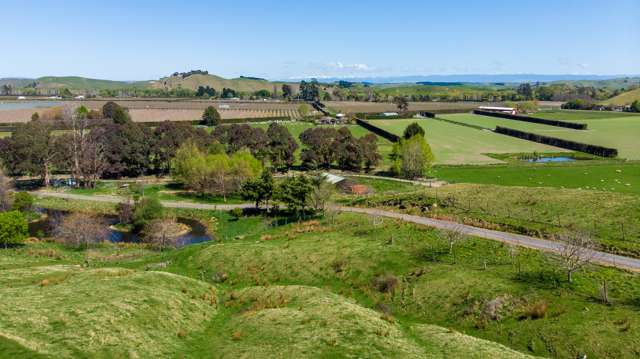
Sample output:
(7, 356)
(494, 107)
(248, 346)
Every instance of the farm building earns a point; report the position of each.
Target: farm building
(507, 110)
(390, 114)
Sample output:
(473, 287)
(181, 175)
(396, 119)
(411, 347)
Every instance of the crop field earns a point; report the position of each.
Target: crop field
(453, 144)
(162, 110)
(616, 132)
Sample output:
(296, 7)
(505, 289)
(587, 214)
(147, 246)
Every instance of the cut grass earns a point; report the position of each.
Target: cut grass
(454, 144)
(616, 132)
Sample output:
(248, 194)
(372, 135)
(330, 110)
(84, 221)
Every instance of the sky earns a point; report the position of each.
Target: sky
(290, 39)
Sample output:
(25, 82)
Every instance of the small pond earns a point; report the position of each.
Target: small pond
(551, 159)
(25, 105)
(196, 234)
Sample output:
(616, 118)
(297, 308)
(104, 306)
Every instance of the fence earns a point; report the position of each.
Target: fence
(559, 142)
(572, 125)
(378, 131)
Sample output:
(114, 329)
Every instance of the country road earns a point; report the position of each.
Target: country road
(602, 258)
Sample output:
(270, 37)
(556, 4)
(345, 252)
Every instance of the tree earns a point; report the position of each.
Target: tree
(309, 91)
(115, 112)
(126, 149)
(525, 91)
(635, 106)
(79, 230)
(304, 109)
(32, 150)
(35, 116)
(145, 210)
(576, 251)
(259, 190)
(369, 149)
(412, 130)
(168, 137)
(287, 91)
(321, 194)
(347, 150)
(206, 91)
(5, 192)
(401, 103)
(281, 146)
(295, 192)
(229, 93)
(13, 228)
(453, 236)
(214, 173)
(162, 233)
(412, 157)
(318, 151)
(239, 136)
(22, 201)
(211, 117)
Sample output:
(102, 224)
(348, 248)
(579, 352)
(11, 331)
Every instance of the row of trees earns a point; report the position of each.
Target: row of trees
(327, 146)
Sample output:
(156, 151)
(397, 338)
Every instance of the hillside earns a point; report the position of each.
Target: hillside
(624, 98)
(83, 83)
(194, 81)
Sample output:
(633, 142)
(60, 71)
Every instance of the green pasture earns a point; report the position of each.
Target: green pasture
(616, 132)
(623, 177)
(454, 144)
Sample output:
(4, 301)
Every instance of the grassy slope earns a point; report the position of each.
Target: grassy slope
(453, 144)
(610, 217)
(344, 256)
(581, 115)
(625, 98)
(619, 132)
(243, 85)
(83, 83)
(68, 311)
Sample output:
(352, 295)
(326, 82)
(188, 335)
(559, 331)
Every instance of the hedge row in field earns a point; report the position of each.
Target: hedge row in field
(557, 123)
(378, 131)
(559, 142)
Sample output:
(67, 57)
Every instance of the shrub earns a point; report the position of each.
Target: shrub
(236, 213)
(211, 117)
(385, 283)
(125, 212)
(79, 230)
(13, 228)
(537, 310)
(145, 211)
(22, 201)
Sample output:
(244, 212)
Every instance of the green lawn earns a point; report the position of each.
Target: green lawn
(604, 176)
(616, 132)
(343, 286)
(580, 115)
(454, 144)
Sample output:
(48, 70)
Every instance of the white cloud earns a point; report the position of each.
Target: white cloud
(349, 67)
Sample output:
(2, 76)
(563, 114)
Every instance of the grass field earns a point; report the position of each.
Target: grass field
(621, 177)
(611, 218)
(453, 144)
(580, 115)
(344, 286)
(617, 132)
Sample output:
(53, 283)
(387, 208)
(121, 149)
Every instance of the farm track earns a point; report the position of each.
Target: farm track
(602, 258)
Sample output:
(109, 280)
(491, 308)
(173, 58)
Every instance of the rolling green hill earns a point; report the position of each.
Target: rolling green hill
(625, 98)
(193, 81)
(83, 83)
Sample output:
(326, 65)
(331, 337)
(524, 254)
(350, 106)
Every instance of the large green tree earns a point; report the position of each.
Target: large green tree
(281, 146)
(295, 193)
(211, 117)
(411, 157)
(259, 190)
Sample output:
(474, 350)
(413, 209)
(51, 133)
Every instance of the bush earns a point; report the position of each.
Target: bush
(22, 201)
(385, 283)
(79, 230)
(13, 228)
(236, 213)
(537, 310)
(211, 117)
(145, 211)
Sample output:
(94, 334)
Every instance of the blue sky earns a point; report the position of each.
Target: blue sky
(138, 40)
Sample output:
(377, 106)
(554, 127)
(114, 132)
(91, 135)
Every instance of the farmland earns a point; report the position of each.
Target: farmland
(161, 110)
(453, 144)
(617, 132)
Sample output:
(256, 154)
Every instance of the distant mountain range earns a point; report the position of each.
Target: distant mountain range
(477, 78)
